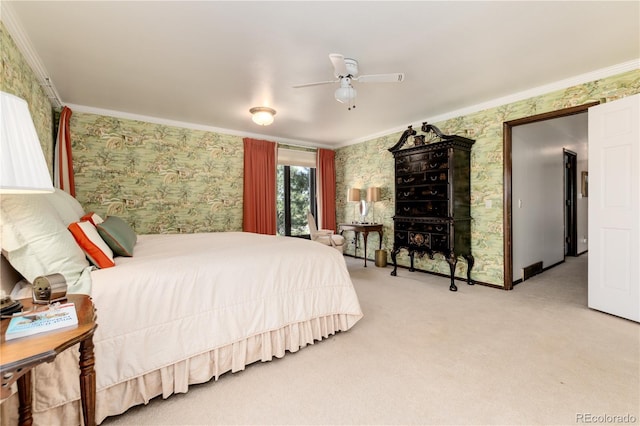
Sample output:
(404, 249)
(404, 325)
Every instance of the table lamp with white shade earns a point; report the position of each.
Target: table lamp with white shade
(373, 196)
(23, 168)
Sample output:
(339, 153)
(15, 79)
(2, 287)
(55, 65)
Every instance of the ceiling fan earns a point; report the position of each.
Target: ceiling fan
(346, 72)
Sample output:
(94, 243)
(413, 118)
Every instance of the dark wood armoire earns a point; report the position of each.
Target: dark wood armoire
(433, 198)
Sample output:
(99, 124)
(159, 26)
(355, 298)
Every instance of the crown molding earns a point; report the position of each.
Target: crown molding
(193, 126)
(515, 97)
(22, 41)
(25, 46)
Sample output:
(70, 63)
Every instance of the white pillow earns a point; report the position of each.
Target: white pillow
(67, 207)
(36, 241)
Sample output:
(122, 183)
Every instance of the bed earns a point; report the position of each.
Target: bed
(184, 309)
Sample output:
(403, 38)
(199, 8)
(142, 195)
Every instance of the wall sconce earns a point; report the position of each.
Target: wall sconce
(373, 195)
(23, 168)
(262, 116)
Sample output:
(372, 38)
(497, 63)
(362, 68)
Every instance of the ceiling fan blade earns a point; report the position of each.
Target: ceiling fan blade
(317, 83)
(339, 67)
(381, 78)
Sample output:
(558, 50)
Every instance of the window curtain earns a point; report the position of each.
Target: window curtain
(326, 169)
(259, 194)
(62, 161)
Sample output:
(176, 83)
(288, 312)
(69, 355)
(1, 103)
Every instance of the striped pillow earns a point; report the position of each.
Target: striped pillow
(87, 237)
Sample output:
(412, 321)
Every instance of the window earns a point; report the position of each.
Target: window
(296, 196)
(296, 191)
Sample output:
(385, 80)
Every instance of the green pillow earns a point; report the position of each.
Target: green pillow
(118, 235)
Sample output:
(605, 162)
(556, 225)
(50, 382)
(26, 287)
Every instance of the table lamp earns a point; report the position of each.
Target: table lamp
(353, 195)
(373, 195)
(23, 169)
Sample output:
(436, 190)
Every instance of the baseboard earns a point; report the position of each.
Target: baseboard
(447, 276)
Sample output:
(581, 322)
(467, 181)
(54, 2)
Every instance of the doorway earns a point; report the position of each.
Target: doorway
(570, 197)
(508, 128)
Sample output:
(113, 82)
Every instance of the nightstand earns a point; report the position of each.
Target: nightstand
(19, 356)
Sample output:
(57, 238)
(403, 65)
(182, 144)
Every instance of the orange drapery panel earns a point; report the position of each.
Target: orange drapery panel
(326, 166)
(259, 194)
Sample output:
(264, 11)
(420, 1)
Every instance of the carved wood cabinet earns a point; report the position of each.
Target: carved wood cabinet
(433, 198)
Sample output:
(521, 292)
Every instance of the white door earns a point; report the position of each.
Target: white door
(614, 207)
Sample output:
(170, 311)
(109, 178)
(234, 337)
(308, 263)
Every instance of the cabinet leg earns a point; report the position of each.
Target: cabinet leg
(452, 260)
(470, 262)
(394, 252)
(411, 255)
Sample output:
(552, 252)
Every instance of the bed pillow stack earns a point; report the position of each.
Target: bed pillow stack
(35, 239)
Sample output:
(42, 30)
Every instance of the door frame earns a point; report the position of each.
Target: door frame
(570, 161)
(507, 147)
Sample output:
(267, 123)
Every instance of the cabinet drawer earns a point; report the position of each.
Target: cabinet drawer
(439, 154)
(440, 242)
(413, 158)
(429, 193)
(422, 166)
(416, 240)
(439, 176)
(409, 168)
(434, 228)
(419, 239)
(422, 208)
(411, 239)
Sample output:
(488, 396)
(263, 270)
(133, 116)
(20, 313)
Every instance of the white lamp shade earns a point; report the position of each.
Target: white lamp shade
(23, 167)
(262, 116)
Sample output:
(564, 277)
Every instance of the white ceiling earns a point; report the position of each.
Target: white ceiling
(208, 62)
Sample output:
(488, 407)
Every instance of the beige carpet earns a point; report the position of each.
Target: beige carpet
(425, 355)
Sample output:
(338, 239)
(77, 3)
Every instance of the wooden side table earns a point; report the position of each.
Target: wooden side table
(365, 228)
(19, 356)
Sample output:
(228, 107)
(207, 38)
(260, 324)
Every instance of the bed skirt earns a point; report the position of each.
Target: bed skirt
(174, 378)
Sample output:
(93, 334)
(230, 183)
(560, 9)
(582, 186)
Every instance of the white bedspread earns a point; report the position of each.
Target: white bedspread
(189, 307)
(185, 294)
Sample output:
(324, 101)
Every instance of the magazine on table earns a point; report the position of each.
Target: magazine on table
(39, 321)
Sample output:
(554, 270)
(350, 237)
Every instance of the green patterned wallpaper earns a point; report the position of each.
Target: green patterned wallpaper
(17, 78)
(370, 164)
(160, 179)
(167, 179)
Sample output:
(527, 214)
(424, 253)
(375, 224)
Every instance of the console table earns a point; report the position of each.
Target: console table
(363, 228)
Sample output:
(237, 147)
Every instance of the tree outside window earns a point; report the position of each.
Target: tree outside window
(296, 196)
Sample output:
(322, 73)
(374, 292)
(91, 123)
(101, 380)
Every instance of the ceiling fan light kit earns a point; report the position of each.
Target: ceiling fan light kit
(346, 94)
(346, 71)
(262, 116)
